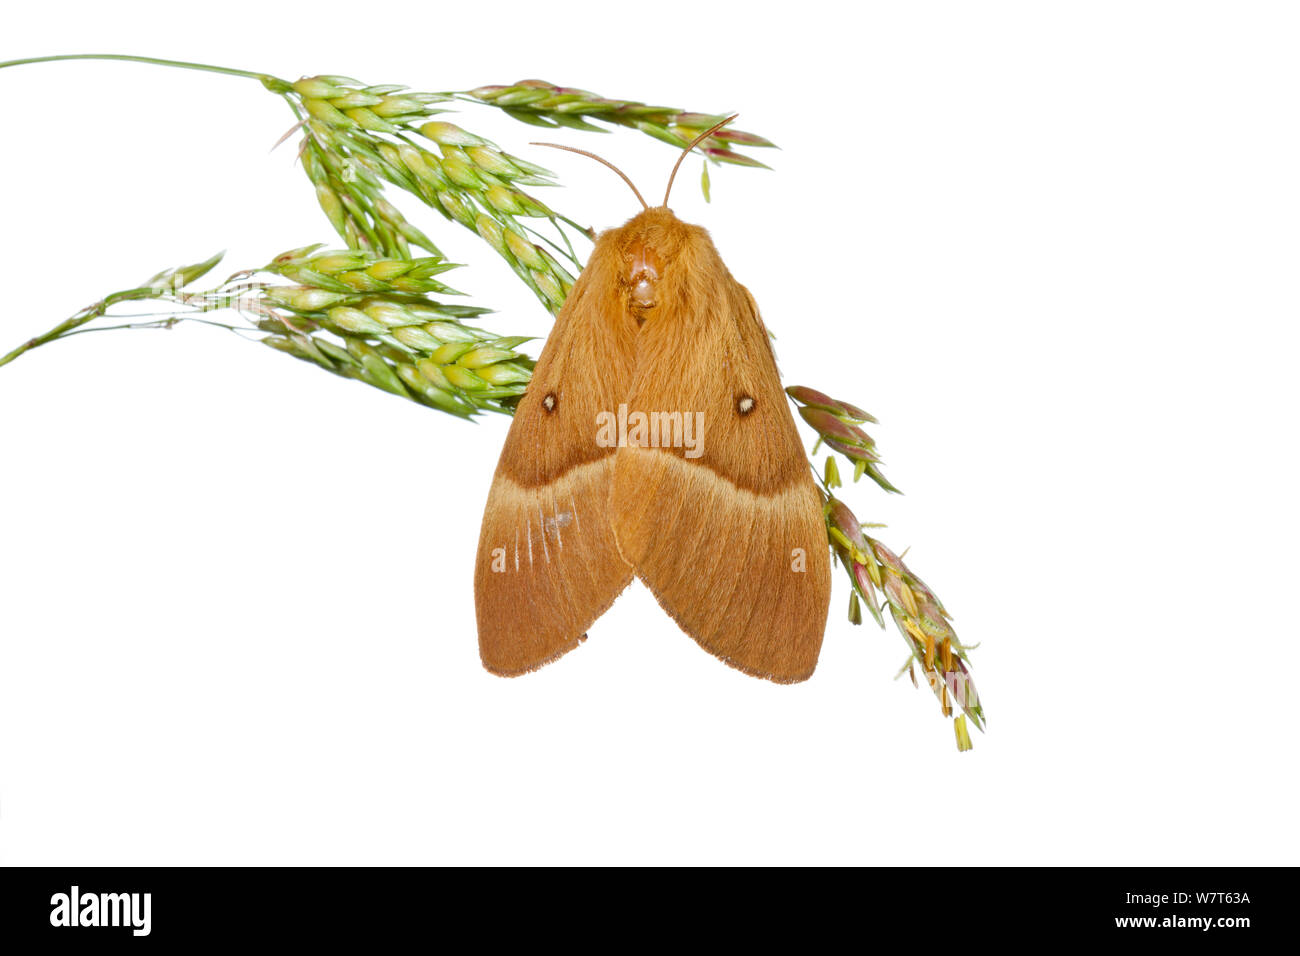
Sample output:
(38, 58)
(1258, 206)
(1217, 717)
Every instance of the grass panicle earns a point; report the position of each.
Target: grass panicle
(376, 312)
(545, 104)
(373, 319)
(879, 579)
(836, 424)
(357, 139)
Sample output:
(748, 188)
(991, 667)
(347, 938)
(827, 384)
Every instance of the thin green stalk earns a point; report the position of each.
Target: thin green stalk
(264, 78)
(167, 281)
(166, 320)
(87, 314)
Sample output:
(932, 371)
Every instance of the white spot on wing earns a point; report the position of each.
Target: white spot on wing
(558, 521)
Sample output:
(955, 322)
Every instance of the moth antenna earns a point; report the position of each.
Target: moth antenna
(695, 142)
(583, 152)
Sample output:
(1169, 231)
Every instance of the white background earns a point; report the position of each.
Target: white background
(1051, 246)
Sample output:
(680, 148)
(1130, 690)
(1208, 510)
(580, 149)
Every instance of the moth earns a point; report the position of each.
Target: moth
(654, 441)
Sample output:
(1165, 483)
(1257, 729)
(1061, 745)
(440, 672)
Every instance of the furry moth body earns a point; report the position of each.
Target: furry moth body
(729, 535)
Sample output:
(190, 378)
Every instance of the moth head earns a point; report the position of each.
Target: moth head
(649, 247)
(643, 268)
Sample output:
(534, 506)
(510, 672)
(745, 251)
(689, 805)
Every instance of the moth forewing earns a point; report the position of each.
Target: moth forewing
(547, 563)
(732, 542)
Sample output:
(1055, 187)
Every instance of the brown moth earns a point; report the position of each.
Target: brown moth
(722, 520)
